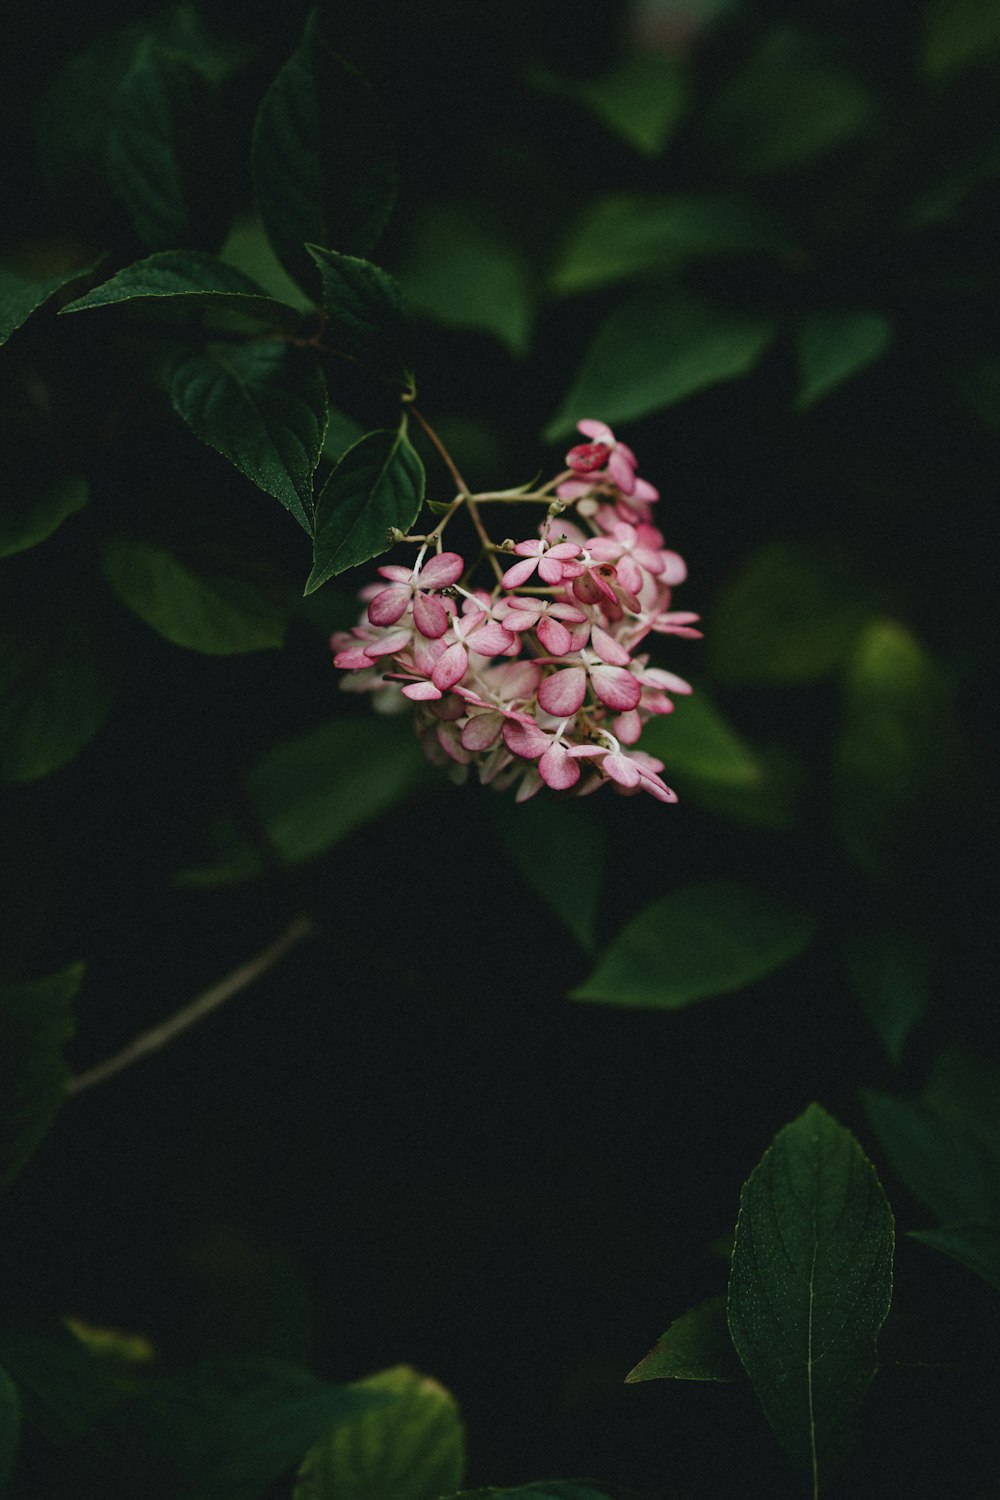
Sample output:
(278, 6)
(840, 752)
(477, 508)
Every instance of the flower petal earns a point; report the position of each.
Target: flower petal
(563, 692)
(554, 637)
(389, 605)
(525, 740)
(616, 687)
(558, 769)
(608, 649)
(482, 730)
(429, 616)
(451, 667)
(600, 432)
(519, 573)
(443, 569)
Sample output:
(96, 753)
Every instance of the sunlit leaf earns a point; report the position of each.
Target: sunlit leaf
(696, 1346)
(559, 850)
(378, 485)
(36, 1022)
(699, 940)
(810, 1286)
(466, 274)
(834, 346)
(642, 99)
(940, 1164)
(976, 1246)
(192, 280)
(27, 518)
(889, 971)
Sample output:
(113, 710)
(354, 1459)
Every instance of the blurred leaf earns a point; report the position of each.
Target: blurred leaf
(642, 99)
(656, 349)
(696, 1346)
(810, 1286)
(977, 385)
(195, 280)
(10, 1428)
(366, 316)
(465, 274)
(619, 236)
(976, 1246)
(412, 1448)
(112, 1343)
(214, 613)
(699, 940)
(834, 346)
(789, 615)
(248, 249)
(956, 34)
(36, 1022)
(323, 160)
(311, 792)
(940, 1164)
(559, 849)
(27, 519)
(964, 1090)
(63, 1386)
(788, 104)
(377, 485)
(342, 432)
(541, 1489)
(20, 296)
(889, 971)
(263, 406)
(167, 150)
(56, 687)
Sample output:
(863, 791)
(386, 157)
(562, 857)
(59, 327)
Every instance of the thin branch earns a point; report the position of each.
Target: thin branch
(159, 1036)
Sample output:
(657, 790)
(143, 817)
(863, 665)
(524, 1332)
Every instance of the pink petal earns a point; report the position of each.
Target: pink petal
(573, 489)
(629, 574)
(616, 687)
(396, 640)
(531, 548)
(621, 769)
(621, 472)
(525, 740)
(389, 606)
(563, 550)
(645, 491)
(490, 639)
(550, 571)
(608, 648)
(599, 431)
(674, 567)
(563, 692)
(429, 616)
(451, 668)
(398, 575)
(420, 691)
(554, 637)
(443, 569)
(353, 659)
(627, 727)
(482, 730)
(557, 769)
(519, 573)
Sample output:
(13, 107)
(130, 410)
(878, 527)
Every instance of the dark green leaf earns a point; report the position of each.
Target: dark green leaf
(890, 973)
(834, 346)
(212, 613)
(964, 1089)
(342, 432)
(957, 34)
(412, 1448)
(696, 1346)
(248, 249)
(697, 941)
(56, 687)
(541, 1489)
(642, 99)
(262, 405)
(64, 1387)
(10, 1428)
(166, 151)
(940, 1163)
(195, 280)
(20, 297)
(810, 1286)
(366, 317)
(978, 387)
(977, 1246)
(36, 1022)
(559, 848)
(323, 159)
(464, 273)
(789, 615)
(655, 350)
(311, 792)
(27, 519)
(377, 485)
(622, 235)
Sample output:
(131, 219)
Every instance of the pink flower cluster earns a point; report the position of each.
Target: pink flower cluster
(540, 682)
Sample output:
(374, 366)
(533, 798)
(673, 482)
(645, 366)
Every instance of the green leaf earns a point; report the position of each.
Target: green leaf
(313, 791)
(377, 485)
(64, 1387)
(977, 385)
(628, 233)
(195, 281)
(248, 249)
(262, 405)
(787, 105)
(940, 1164)
(889, 971)
(36, 1022)
(834, 346)
(20, 296)
(541, 1489)
(642, 99)
(810, 1286)
(696, 1346)
(559, 848)
(656, 349)
(699, 940)
(464, 273)
(976, 1246)
(56, 687)
(220, 615)
(323, 159)
(28, 519)
(366, 315)
(412, 1448)
(957, 34)
(10, 1428)
(789, 615)
(166, 153)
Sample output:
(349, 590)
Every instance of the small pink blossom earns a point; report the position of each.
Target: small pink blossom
(408, 587)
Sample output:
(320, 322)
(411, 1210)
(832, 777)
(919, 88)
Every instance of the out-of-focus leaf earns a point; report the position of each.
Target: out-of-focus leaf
(263, 406)
(56, 686)
(466, 274)
(956, 34)
(36, 1022)
(976, 1246)
(20, 296)
(628, 233)
(411, 1448)
(834, 346)
(699, 940)
(789, 615)
(28, 518)
(311, 792)
(195, 281)
(810, 1286)
(656, 349)
(889, 971)
(559, 849)
(377, 485)
(214, 613)
(696, 1346)
(112, 1343)
(248, 249)
(977, 385)
(366, 318)
(64, 1387)
(542, 1489)
(940, 1164)
(10, 1428)
(342, 432)
(787, 105)
(642, 99)
(964, 1090)
(323, 159)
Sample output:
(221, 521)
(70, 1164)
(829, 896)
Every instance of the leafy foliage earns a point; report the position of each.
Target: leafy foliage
(36, 1022)
(377, 486)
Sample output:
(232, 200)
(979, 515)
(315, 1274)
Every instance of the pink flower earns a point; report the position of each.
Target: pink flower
(546, 618)
(554, 562)
(429, 614)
